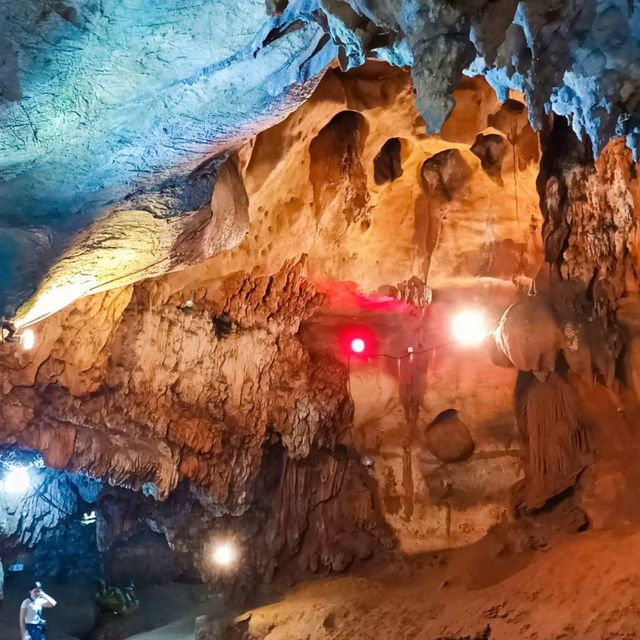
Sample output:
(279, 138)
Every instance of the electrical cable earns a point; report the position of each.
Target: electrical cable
(409, 353)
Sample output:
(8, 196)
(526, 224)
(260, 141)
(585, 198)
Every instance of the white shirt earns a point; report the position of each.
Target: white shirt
(34, 610)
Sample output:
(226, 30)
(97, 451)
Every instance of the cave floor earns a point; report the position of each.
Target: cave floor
(586, 585)
(166, 610)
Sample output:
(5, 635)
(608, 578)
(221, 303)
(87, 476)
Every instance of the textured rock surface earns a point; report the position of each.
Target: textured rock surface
(577, 59)
(143, 245)
(226, 390)
(52, 497)
(173, 394)
(144, 95)
(568, 334)
(210, 377)
(101, 101)
(190, 375)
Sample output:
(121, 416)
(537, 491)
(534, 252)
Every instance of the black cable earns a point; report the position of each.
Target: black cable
(405, 355)
(40, 493)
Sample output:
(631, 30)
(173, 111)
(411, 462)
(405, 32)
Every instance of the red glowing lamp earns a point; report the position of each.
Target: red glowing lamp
(357, 342)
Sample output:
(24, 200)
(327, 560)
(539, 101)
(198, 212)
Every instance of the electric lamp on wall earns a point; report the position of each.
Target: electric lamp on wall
(469, 327)
(223, 554)
(357, 342)
(27, 339)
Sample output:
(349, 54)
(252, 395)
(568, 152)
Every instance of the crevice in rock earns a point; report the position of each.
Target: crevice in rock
(387, 165)
(336, 171)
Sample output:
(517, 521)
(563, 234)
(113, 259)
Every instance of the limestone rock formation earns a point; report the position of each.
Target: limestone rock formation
(105, 103)
(221, 394)
(448, 438)
(144, 245)
(144, 137)
(575, 59)
(322, 281)
(194, 376)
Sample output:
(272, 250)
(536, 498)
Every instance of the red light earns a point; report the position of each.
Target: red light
(357, 342)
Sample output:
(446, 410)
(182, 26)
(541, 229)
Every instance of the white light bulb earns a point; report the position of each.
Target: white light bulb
(17, 480)
(357, 345)
(469, 327)
(27, 339)
(224, 554)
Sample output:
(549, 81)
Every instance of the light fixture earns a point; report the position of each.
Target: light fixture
(27, 339)
(17, 480)
(358, 342)
(469, 327)
(358, 345)
(89, 518)
(224, 554)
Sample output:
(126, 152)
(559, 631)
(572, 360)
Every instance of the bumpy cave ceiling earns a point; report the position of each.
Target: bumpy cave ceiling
(110, 106)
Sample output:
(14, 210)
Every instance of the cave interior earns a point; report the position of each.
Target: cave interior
(320, 319)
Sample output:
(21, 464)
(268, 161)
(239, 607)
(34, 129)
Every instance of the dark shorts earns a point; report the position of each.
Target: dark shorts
(37, 631)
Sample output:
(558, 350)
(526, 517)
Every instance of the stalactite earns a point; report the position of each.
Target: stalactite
(557, 441)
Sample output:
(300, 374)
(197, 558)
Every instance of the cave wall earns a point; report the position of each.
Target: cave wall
(223, 392)
(591, 277)
(185, 377)
(447, 230)
(469, 233)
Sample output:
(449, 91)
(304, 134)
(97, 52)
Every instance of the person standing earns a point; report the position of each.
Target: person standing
(33, 626)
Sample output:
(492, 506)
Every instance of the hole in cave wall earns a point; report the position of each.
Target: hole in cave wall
(512, 120)
(143, 558)
(336, 172)
(46, 521)
(444, 174)
(387, 165)
(490, 149)
(67, 552)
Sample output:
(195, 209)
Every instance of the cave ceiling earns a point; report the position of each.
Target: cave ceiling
(100, 100)
(119, 112)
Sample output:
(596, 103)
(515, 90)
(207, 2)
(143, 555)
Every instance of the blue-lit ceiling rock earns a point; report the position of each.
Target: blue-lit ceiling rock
(109, 106)
(104, 100)
(579, 59)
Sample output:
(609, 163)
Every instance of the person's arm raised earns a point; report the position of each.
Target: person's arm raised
(49, 601)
